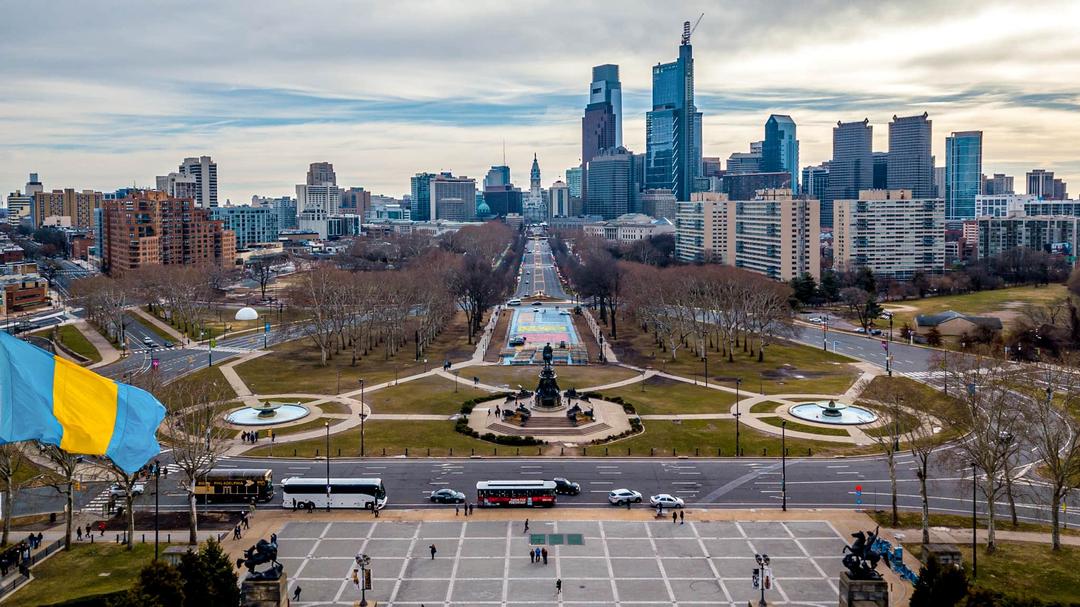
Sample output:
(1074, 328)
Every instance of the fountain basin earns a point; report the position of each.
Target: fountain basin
(267, 414)
(832, 412)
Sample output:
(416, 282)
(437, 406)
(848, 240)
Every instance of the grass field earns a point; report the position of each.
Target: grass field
(393, 435)
(74, 340)
(430, 395)
(918, 396)
(1000, 302)
(579, 377)
(800, 427)
(314, 424)
(1023, 569)
(708, 435)
(295, 366)
(204, 375)
(88, 569)
(913, 520)
(767, 406)
(666, 396)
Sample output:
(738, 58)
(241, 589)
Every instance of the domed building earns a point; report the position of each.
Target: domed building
(483, 210)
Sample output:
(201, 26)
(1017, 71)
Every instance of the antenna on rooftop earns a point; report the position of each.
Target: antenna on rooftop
(688, 31)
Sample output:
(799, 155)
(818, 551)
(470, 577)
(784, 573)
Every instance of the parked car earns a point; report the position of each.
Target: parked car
(447, 496)
(517, 341)
(860, 330)
(666, 500)
(117, 490)
(817, 320)
(537, 303)
(622, 496)
(875, 332)
(565, 487)
(514, 302)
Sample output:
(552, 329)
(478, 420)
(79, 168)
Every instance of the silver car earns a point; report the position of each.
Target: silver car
(622, 496)
(666, 500)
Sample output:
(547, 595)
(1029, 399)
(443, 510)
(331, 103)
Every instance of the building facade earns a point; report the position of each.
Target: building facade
(744, 186)
(890, 232)
(559, 200)
(910, 160)
(497, 176)
(178, 185)
(1056, 235)
(815, 181)
(701, 228)
(573, 181)
(610, 177)
(601, 126)
(780, 151)
(998, 185)
(852, 167)
(22, 292)
(205, 172)
(78, 207)
(629, 227)
(963, 174)
(1042, 183)
(658, 203)
(672, 127)
(452, 198)
(420, 201)
(250, 224)
(355, 201)
(1003, 205)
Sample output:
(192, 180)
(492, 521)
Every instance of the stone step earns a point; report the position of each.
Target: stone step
(530, 430)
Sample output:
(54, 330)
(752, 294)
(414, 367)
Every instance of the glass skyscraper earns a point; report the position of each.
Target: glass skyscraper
(852, 166)
(672, 141)
(963, 174)
(421, 196)
(780, 152)
(601, 127)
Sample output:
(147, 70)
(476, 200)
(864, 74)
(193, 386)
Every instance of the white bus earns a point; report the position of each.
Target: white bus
(311, 493)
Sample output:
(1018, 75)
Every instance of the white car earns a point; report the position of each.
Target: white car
(514, 302)
(116, 490)
(622, 496)
(817, 320)
(666, 500)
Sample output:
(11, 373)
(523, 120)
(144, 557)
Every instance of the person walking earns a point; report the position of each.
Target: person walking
(674, 518)
(526, 526)
(558, 586)
(544, 554)
(457, 510)
(78, 533)
(296, 593)
(682, 517)
(536, 554)
(532, 556)
(101, 527)
(236, 532)
(433, 551)
(627, 502)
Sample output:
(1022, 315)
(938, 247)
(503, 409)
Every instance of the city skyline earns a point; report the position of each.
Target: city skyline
(90, 115)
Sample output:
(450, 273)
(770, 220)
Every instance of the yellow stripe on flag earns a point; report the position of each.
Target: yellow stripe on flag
(85, 405)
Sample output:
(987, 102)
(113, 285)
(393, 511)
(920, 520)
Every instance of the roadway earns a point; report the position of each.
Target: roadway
(538, 273)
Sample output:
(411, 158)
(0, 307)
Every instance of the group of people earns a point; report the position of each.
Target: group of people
(677, 517)
(18, 556)
(467, 507)
(538, 554)
(90, 531)
(245, 524)
(252, 437)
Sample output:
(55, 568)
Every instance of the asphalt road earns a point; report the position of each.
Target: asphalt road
(538, 273)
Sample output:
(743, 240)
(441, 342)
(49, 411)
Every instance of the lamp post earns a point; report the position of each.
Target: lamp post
(825, 332)
(974, 524)
(763, 566)
(896, 426)
(706, 360)
(888, 348)
(327, 466)
(457, 372)
(783, 464)
(738, 383)
(157, 493)
(363, 416)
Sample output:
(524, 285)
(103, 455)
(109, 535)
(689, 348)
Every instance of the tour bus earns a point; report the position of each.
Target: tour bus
(311, 493)
(235, 486)
(515, 493)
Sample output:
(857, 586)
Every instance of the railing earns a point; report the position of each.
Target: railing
(895, 559)
(35, 557)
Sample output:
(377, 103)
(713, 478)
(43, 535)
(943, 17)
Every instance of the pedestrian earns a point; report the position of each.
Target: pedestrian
(78, 532)
(674, 517)
(543, 554)
(472, 509)
(375, 510)
(433, 551)
(296, 593)
(659, 510)
(537, 554)
(526, 526)
(627, 502)
(532, 556)
(236, 532)
(101, 527)
(682, 517)
(244, 520)
(89, 532)
(558, 586)
(40, 538)
(457, 510)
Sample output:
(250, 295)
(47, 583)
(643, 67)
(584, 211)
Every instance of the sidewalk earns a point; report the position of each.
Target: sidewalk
(108, 353)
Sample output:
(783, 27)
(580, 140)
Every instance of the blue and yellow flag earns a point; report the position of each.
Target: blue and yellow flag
(53, 400)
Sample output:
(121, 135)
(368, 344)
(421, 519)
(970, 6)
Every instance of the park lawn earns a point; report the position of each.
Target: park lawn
(392, 435)
(800, 427)
(74, 340)
(580, 377)
(428, 395)
(668, 396)
(1028, 569)
(307, 426)
(912, 519)
(85, 570)
(766, 406)
(883, 389)
(204, 375)
(708, 435)
(295, 366)
(331, 407)
(1007, 301)
(215, 321)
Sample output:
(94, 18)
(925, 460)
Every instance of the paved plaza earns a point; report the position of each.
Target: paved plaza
(486, 563)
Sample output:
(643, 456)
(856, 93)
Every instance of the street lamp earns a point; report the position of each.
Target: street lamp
(157, 493)
(457, 372)
(888, 348)
(706, 359)
(896, 426)
(763, 570)
(974, 523)
(327, 466)
(783, 464)
(738, 383)
(363, 416)
(825, 332)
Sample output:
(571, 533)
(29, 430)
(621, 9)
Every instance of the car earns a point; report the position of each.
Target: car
(447, 496)
(875, 332)
(860, 330)
(517, 340)
(817, 320)
(666, 500)
(536, 303)
(117, 490)
(168, 344)
(514, 302)
(149, 343)
(565, 487)
(624, 496)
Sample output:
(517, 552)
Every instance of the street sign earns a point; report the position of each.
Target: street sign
(213, 342)
(266, 327)
(768, 578)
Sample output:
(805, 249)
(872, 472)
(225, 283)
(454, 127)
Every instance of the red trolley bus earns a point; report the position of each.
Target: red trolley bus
(516, 493)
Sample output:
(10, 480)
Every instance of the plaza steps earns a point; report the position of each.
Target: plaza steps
(531, 429)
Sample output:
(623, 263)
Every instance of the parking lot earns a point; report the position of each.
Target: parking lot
(643, 564)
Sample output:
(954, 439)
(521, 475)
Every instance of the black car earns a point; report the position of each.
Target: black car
(447, 496)
(565, 487)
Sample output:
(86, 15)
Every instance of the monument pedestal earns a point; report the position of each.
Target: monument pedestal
(863, 593)
(265, 593)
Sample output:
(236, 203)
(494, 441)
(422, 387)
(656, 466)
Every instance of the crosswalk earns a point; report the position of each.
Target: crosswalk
(926, 376)
(100, 502)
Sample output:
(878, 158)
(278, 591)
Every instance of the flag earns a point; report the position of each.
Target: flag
(49, 399)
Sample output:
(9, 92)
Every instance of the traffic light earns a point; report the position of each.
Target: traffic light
(367, 579)
(858, 494)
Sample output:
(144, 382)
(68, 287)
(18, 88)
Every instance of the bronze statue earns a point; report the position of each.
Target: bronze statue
(862, 561)
(261, 553)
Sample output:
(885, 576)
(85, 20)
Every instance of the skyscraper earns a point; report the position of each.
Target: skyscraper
(815, 181)
(963, 174)
(672, 145)
(610, 181)
(852, 166)
(1041, 183)
(204, 169)
(998, 185)
(601, 127)
(573, 181)
(321, 173)
(421, 196)
(780, 152)
(559, 200)
(534, 177)
(910, 164)
(452, 198)
(881, 170)
(606, 88)
(497, 175)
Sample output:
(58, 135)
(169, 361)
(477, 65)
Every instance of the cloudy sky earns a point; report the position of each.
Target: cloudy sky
(107, 94)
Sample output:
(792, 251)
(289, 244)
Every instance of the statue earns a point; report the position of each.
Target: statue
(547, 354)
(262, 553)
(862, 560)
(548, 395)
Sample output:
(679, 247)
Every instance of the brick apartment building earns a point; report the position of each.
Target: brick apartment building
(151, 228)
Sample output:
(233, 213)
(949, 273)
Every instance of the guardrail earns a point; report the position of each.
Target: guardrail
(35, 557)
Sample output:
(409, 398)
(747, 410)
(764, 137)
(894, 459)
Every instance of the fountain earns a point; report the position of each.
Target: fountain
(547, 391)
(833, 413)
(268, 413)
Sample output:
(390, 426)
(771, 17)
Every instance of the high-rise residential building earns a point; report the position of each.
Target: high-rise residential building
(250, 224)
(672, 139)
(355, 201)
(452, 198)
(1042, 183)
(963, 174)
(283, 206)
(658, 203)
(178, 185)
(780, 151)
(998, 185)
(939, 182)
(910, 163)
(559, 200)
(1004, 205)
(701, 228)
(852, 167)
(420, 200)
(20, 205)
(324, 198)
(205, 172)
(610, 176)
(606, 88)
(890, 232)
(815, 181)
(77, 207)
(1052, 234)
(497, 175)
(321, 173)
(601, 126)
(573, 181)
(150, 228)
(881, 170)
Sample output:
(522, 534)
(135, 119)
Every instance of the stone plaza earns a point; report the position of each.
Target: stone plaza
(634, 563)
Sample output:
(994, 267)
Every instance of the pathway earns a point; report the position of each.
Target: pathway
(108, 353)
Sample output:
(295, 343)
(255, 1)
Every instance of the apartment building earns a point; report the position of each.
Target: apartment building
(890, 232)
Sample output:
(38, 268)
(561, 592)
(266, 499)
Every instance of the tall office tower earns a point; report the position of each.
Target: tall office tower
(672, 147)
(606, 88)
(658, 204)
(601, 126)
(452, 198)
(534, 178)
(321, 173)
(939, 182)
(573, 181)
(881, 170)
(852, 166)
(177, 185)
(780, 151)
(998, 185)
(559, 200)
(963, 174)
(204, 169)
(355, 201)
(421, 196)
(911, 166)
(497, 175)
(503, 200)
(711, 167)
(1042, 183)
(743, 162)
(33, 185)
(610, 183)
(815, 181)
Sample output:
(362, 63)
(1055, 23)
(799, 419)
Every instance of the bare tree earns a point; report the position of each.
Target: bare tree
(11, 482)
(922, 440)
(125, 483)
(262, 271)
(888, 442)
(62, 477)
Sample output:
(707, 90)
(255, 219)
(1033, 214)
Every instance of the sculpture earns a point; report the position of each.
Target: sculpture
(861, 560)
(548, 395)
(262, 553)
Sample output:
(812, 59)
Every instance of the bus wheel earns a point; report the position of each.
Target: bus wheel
(369, 506)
